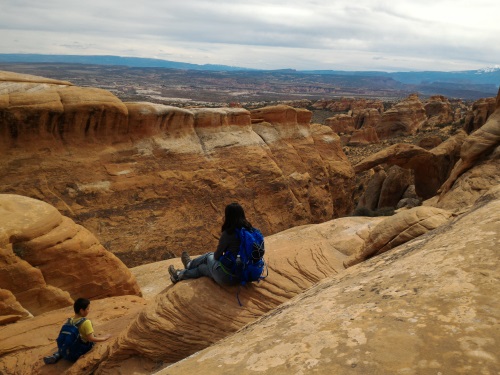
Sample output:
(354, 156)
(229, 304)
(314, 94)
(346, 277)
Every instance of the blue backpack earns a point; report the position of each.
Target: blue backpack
(249, 263)
(69, 344)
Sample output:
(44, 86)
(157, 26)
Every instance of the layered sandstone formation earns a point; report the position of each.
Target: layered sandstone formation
(10, 309)
(359, 127)
(439, 111)
(404, 118)
(15, 82)
(479, 113)
(430, 142)
(430, 168)
(311, 159)
(385, 188)
(47, 261)
(358, 123)
(367, 118)
(438, 169)
(362, 122)
(480, 150)
(368, 123)
(399, 229)
(152, 180)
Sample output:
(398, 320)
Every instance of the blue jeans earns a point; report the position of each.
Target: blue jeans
(206, 265)
(78, 349)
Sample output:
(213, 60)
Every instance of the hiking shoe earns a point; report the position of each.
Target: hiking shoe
(174, 274)
(185, 258)
(51, 359)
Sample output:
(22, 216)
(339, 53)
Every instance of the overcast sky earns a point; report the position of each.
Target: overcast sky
(397, 35)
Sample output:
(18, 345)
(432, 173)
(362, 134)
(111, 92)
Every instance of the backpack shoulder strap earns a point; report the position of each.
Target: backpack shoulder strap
(80, 321)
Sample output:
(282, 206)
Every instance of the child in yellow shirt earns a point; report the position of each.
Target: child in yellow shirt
(87, 337)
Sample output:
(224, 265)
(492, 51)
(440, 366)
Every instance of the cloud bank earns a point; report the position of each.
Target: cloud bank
(300, 34)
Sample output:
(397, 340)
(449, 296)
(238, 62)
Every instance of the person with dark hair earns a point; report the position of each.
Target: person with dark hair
(208, 264)
(87, 339)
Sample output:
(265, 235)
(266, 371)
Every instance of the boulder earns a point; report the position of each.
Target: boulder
(398, 229)
(410, 198)
(341, 123)
(409, 203)
(367, 118)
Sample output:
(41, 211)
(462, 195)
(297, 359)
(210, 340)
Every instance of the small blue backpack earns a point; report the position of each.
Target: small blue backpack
(69, 344)
(249, 263)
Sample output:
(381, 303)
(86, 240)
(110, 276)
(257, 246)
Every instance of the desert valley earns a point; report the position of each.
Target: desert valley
(381, 214)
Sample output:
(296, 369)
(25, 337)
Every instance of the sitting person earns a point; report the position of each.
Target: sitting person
(208, 264)
(86, 337)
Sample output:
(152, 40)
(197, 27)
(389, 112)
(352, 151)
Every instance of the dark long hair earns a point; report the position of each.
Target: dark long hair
(234, 218)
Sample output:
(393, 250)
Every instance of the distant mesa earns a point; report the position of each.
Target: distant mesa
(285, 83)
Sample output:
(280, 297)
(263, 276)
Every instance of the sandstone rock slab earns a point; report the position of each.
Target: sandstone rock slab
(194, 314)
(398, 229)
(428, 306)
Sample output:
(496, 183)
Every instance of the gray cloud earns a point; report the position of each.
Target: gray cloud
(307, 34)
